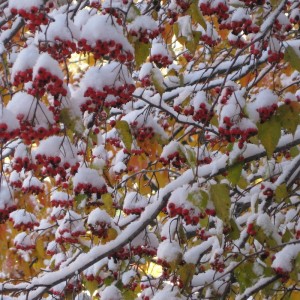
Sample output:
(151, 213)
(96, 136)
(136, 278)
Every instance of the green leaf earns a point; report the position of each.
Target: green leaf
(128, 294)
(219, 195)
(234, 173)
(125, 134)
(186, 273)
(275, 2)
(281, 192)
(142, 50)
(294, 151)
(190, 156)
(157, 80)
(288, 117)
(234, 233)
(295, 273)
(198, 199)
(196, 14)
(287, 236)
(193, 43)
(79, 198)
(292, 57)
(269, 134)
(72, 123)
(245, 275)
(108, 204)
(91, 286)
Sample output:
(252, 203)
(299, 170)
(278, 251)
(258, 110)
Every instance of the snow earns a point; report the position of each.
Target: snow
(170, 228)
(109, 31)
(26, 59)
(169, 251)
(61, 28)
(169, 292)
(57, 146)
(98, 216)
(112, 74)
(160, 49)
(285, 257)
(47, 62)
(88, 176)
(6, 197)
(128, 276)
(134, 200)
(7, 117)
(192, 255)
(27, 108)
(142, 23)
(21, 216)
(111, 293)
(27, 5)
(265, 223)
(31, 181)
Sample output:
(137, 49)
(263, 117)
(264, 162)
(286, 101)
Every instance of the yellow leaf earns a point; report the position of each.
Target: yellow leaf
(125, 134)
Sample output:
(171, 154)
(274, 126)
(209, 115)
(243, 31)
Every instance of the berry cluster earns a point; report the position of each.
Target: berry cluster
(24, 241)
(95, 4)
(59, 49)
(114, 141)
(253, 3)
(161, 60)
(220, 8)
(257, 48)
(142, 133)
(33, 187)
(183, 4)
(143, 250)
(22, 77)
(7, 133)
(109, 96)
(88, 188)
(23, 220)
(19, 163)
(275, 57)
(174, 158)
(237, 131)
(117, 13)
(146, 81)
(46, 81)
(266, 112)
(134, 210)
(218, 263)
(53, 165)
(267, 191)
(68, 234)
(5, 210)
(99, 222)
(57, 213)
(61, 199)
(15, 179)
(110, 48)
(189, 214)
(225, 94)
(144, 35)
(203, 234)
(251, 229)
(29, 132)
(34, 15)
(236, 41)
(203, 114)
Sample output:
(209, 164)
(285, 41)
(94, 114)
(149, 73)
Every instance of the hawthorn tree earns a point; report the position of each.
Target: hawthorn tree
(149, 149)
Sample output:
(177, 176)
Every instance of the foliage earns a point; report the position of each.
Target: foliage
(149, 149)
